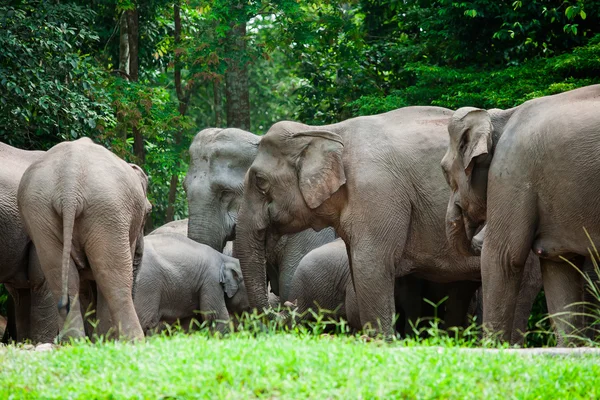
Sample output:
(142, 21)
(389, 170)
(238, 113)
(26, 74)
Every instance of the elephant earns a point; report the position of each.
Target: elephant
(179, 277)
(84, 209)
(541, 158)
(376, 180)
(35, 316)
(322, 281)
(214, 184)
(179, 226)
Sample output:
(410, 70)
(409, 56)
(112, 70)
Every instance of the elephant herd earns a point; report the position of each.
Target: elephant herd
(366, 217)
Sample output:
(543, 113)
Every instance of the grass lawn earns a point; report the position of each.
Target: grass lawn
(289, 366)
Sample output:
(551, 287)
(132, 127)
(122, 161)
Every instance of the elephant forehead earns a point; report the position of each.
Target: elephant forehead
(273, 162)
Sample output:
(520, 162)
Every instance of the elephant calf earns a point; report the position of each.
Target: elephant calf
(323, 279)
(179, 277)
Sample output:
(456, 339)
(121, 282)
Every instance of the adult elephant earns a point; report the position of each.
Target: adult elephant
(35, 315)
(84, 209)
(377, 181)
(531, 173)
(219, 160)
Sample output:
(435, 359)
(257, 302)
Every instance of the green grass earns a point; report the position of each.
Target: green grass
(289, 366)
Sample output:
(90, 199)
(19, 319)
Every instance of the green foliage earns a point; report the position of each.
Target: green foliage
(3, 300)
(499, 88)
(49, 89)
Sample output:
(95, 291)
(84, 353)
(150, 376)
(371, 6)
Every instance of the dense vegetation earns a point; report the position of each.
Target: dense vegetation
(143, 76)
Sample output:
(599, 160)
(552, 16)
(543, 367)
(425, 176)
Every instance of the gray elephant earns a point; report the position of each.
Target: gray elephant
(219, 160)
(322, 281)
(179, 278)
(84, 208)
(377, 180)
(35, 315)
(530, 173)
(179, 226)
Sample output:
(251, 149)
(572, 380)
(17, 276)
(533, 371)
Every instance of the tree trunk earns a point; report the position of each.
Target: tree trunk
(133, 36)
(218, 103)
(123, 45)
(236, 79)
(184, 99)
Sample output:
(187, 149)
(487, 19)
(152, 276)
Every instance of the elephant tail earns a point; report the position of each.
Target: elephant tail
(69, 210)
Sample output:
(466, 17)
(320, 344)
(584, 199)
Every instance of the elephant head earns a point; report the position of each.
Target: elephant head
(473, 135)
(219, 160)
(296, 171)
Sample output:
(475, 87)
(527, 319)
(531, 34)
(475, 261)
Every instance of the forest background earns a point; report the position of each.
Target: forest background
(143, 77)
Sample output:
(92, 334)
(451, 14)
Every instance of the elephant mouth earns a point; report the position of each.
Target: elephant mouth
(231, 236)
(472, 227)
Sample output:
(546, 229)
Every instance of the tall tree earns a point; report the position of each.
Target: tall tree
(236, 76)
(133, 38)
(183, 98)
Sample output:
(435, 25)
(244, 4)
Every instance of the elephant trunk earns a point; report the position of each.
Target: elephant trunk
(204, 227)
(458, 231)
(249, 248)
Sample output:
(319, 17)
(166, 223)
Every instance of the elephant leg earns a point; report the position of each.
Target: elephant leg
(508, 242)
(351, 309)
(73, 327)
(500, 287)
(564, 287)
(457, 305)
(49, 251)
(22, 306)
(104, 322)
(213, 308)
(373, 276)
(531, 284)
(44, 314)
(112, 265)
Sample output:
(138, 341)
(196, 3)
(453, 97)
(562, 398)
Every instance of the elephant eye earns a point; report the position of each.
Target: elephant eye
(226, 195)
(261, 184)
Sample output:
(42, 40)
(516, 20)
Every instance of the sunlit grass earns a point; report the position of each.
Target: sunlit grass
(289, 365)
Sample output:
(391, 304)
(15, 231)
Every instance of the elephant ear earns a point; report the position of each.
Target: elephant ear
(477, 138)
(320, 168)
(141, 175)
(230, 276)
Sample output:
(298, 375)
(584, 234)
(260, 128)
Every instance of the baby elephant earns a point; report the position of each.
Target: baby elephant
(180, 279)
(323, 277)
